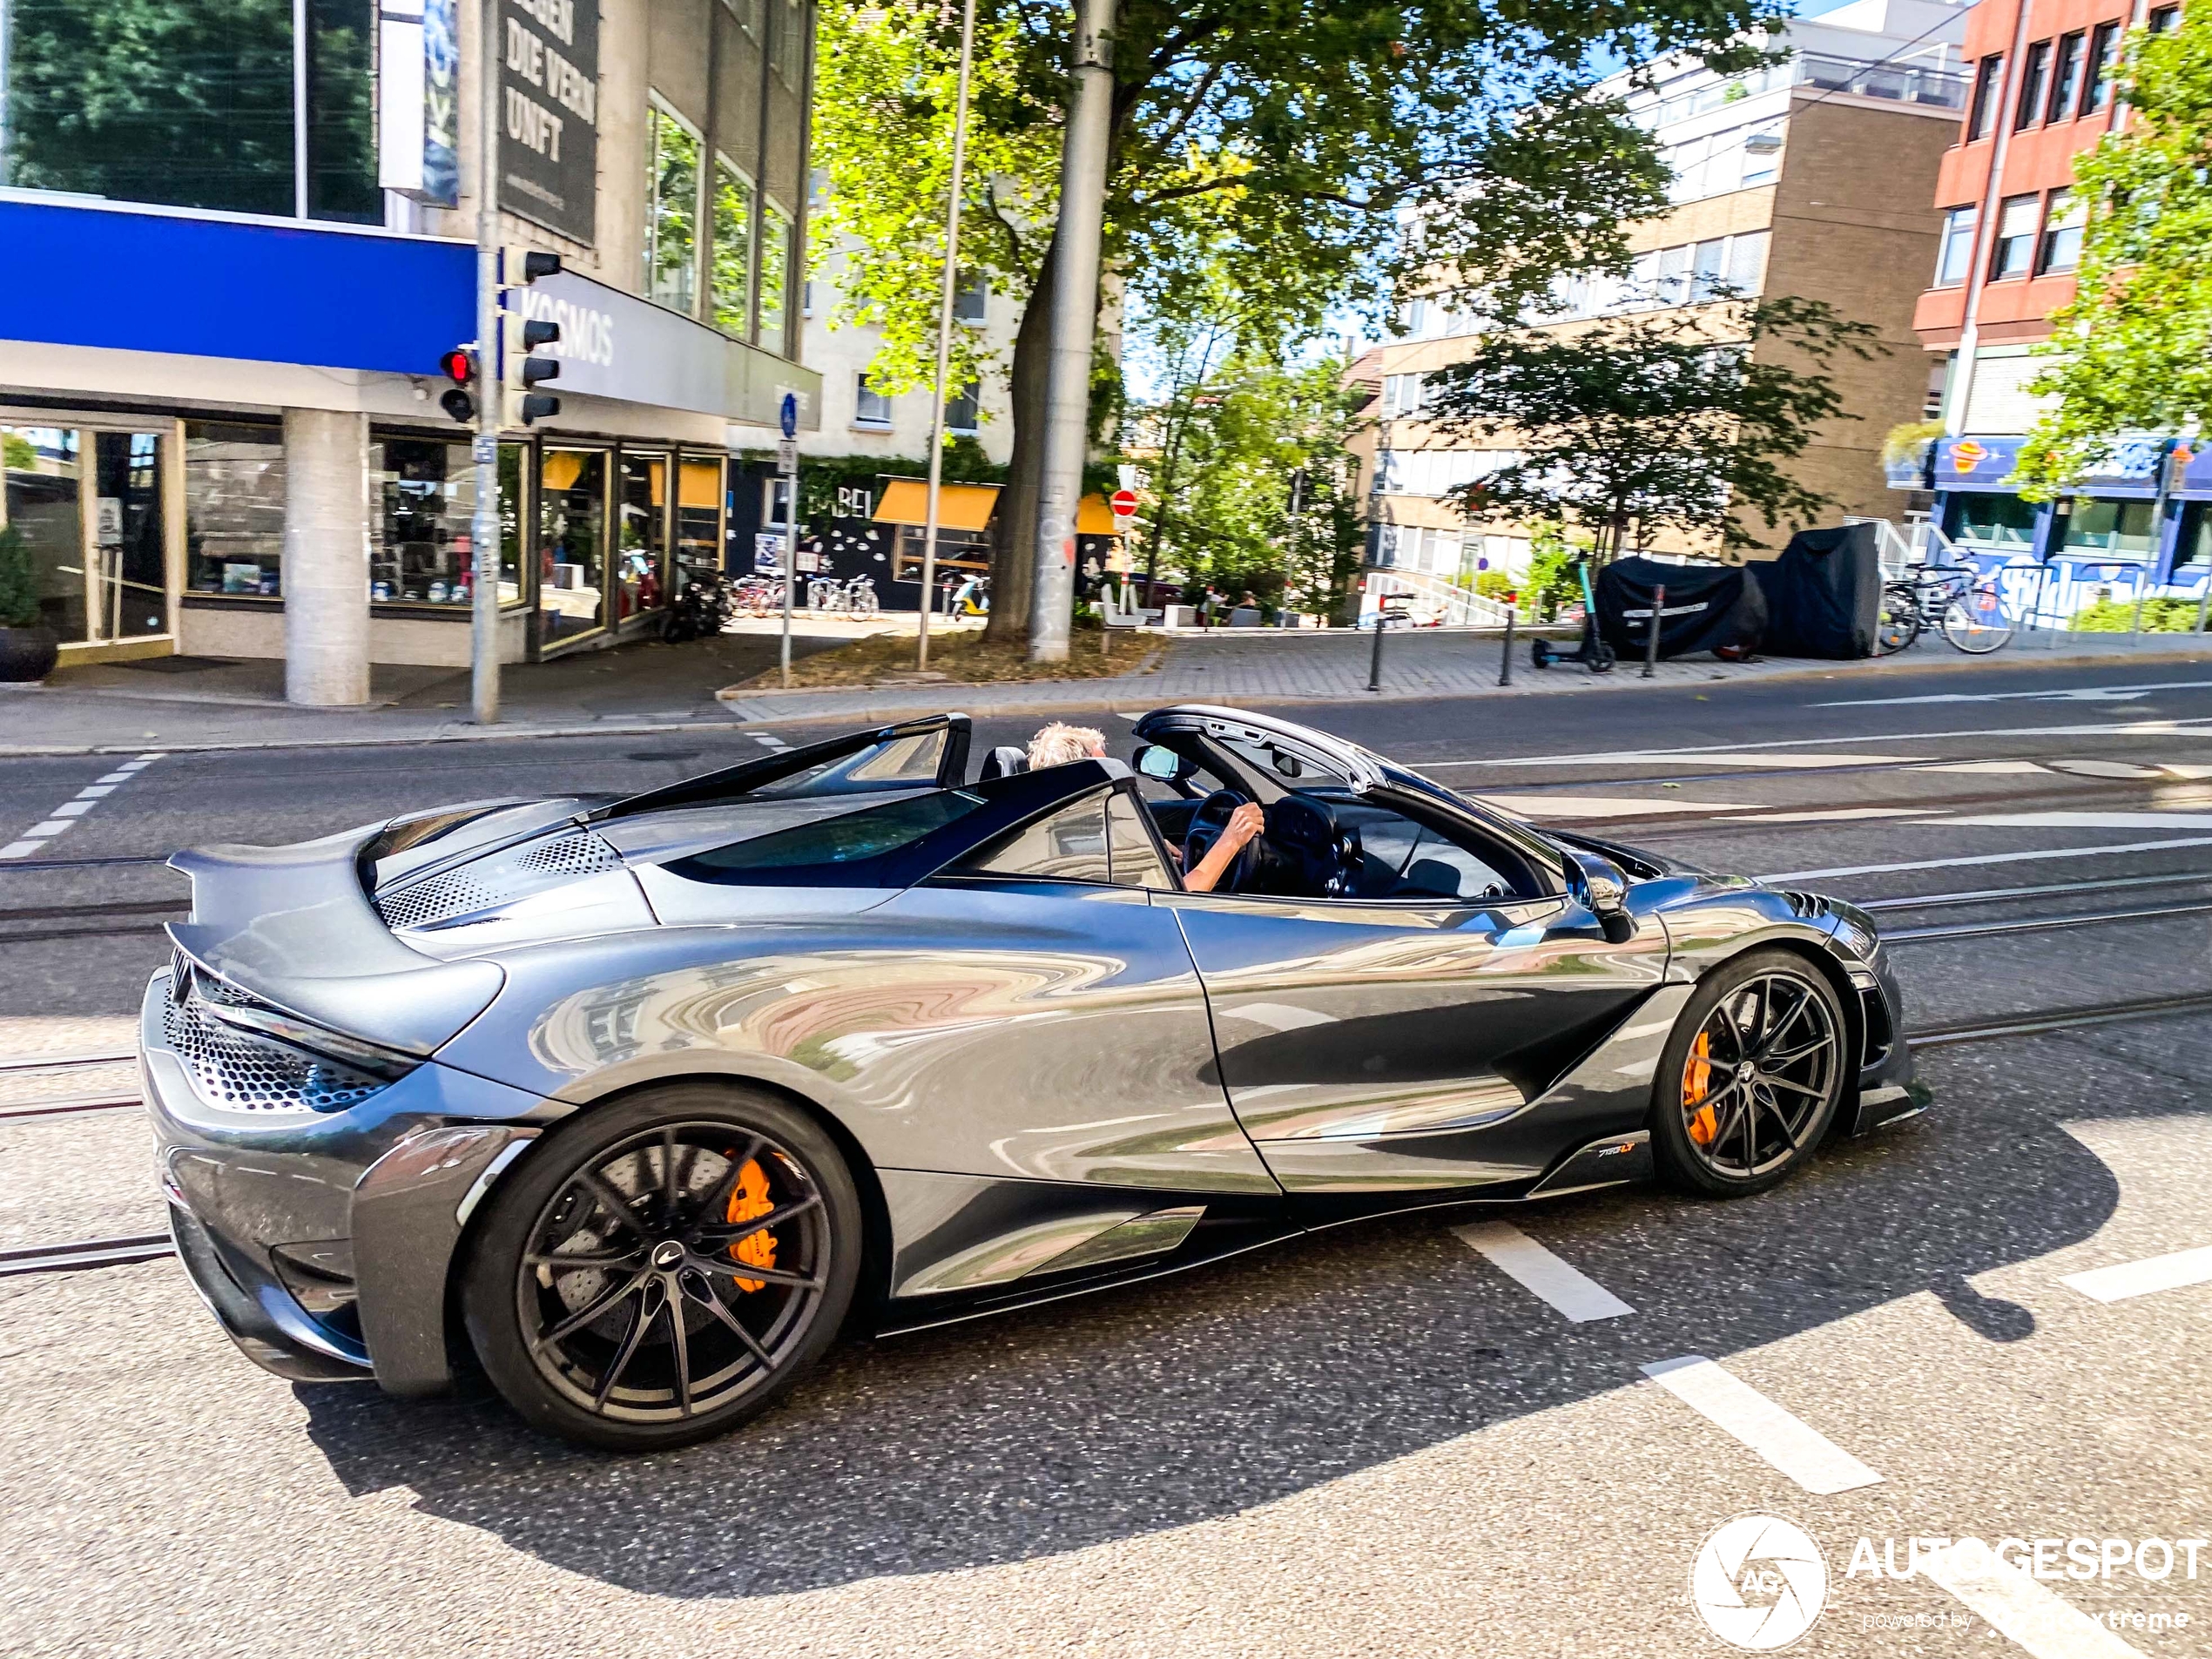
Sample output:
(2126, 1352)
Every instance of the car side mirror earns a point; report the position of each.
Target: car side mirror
(1604, 892)
(1154, 762)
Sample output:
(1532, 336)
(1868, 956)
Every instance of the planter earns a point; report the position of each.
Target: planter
(28, 653)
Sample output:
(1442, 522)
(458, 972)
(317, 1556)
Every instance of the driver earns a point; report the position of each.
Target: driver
(1059, 744)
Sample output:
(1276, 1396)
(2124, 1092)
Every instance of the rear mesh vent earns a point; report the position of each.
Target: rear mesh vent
(495, 880)
(241, 1071)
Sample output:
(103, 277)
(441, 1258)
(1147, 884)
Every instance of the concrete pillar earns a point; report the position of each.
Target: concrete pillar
(326, 557)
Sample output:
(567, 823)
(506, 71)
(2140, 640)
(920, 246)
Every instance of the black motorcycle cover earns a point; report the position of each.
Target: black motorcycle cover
(1822, 594)
(1708, 605)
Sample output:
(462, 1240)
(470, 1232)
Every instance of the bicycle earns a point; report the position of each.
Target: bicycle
(759, 596)
(860, 602)
(1969, 611)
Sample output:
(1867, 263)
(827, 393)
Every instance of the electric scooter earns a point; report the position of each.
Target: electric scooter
(1593, 652)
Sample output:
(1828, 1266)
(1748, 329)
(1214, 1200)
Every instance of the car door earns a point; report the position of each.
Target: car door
(1408, 1043)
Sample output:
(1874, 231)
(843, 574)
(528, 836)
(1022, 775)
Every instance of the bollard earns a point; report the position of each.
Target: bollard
(2204, 604)
(1375, 666)
(1505, 663)
(2142, 593)
(1651, 643)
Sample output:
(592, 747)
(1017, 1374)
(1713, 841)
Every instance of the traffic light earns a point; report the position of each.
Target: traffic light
(523, 336)
(459, 365)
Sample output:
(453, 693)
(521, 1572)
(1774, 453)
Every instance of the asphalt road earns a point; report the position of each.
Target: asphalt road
(1371, 1441)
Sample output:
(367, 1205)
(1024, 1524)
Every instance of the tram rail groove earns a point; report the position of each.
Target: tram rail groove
(2047, 890)
(92, 1252)
(2042, 924)
(22, 1111)
(65, 1061)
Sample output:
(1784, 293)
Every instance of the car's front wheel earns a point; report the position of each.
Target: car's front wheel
(1751, 1077)
(665, 1267)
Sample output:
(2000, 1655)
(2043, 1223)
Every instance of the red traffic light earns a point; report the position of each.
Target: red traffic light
(459, 365)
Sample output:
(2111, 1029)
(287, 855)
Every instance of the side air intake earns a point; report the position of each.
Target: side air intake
(486, 883)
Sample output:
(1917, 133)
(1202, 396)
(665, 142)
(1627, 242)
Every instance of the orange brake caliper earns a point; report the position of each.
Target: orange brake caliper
(749, 1203)
(1697, 1083)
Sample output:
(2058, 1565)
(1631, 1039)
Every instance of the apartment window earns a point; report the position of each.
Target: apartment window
(1982, 112)
(971, 301)
(2163, 18)
(189, 103)
(2066, 78)
(1674, 275)
(672, 212)
(1762, 157)
(2035, 75)
(1707, 269)
(2104, 58)
(731, 300)
(2016, 226)
(789, 51)
(1401, 394)
(870, 407)
(778, 257)
(964, 413)
(1747, 262)
(2062, 222)
(1955, 253)
(747, 12)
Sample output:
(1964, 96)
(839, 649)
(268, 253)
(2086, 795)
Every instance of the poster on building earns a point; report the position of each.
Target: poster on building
(549, 129)
(440, 104)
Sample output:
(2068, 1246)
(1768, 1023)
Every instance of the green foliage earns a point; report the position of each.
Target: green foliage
(1552, 582)
(2118, 617)
(18, 592)
(1296, 154)
(1680, 420)
(2133, 350)
(15, 453)
(1494, 584)
(1251, 484)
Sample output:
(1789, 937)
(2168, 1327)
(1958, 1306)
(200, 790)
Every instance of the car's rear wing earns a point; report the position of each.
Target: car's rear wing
(293, 927)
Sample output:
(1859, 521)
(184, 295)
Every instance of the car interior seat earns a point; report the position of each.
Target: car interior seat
(1002, 762)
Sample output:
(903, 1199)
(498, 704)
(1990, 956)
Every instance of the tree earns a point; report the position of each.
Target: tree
(18, 585)
(1304, 150)
(1678, 422)
(2132, 349)
(1253, 486)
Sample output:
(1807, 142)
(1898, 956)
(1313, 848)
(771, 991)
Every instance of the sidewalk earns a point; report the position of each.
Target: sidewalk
(187, 703)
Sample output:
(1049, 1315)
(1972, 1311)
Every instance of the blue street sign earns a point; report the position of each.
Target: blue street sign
(791, 415)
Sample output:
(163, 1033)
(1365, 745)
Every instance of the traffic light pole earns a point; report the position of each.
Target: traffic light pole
(483, 611)
(1074, 323)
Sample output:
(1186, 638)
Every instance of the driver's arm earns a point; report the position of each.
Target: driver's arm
(1245, 823)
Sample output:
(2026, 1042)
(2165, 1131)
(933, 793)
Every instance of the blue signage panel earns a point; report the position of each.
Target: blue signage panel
(213, 287)
(1986, 464)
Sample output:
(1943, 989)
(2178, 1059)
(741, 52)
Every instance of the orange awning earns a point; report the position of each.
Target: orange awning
(1095, 517)
(960, 506)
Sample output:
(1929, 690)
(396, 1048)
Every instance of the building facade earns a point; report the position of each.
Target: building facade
(2043, 93)
(1801, 178)
(235, 265)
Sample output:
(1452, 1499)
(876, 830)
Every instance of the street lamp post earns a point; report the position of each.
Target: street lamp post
(945, 334)
(483, 606)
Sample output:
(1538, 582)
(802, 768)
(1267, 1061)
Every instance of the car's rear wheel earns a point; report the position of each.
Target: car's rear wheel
(1752, 1077)
(663, 1268)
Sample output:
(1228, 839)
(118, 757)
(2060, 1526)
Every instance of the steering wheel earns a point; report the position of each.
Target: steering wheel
(1322, 852)
(1206, 826)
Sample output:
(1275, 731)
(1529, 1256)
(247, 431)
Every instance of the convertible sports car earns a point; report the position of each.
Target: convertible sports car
(642, 1100)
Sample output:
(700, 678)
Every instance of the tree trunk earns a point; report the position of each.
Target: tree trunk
(1014, 543)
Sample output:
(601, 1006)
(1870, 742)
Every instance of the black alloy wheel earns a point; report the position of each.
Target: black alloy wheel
(1751, 1077)
(664, 1268)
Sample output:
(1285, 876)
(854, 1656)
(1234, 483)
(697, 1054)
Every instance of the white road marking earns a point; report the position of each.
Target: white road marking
(2125, 1279)
(2075, 694)
(35, 839)
(1834, 813)
(1989, 858)
(1797, 1448)
(2044, 1622)
(768, 740)
(2104, 768)
(1277, 1016)
(2085, 820)
(1718, 754)
(2007, 766)
(1522, 1259)
(1600, 805)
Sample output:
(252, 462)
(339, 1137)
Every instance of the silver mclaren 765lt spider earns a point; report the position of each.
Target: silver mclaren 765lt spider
(641, 1101)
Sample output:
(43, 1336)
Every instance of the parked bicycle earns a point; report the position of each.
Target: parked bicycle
(759, 596)
(1968, 610)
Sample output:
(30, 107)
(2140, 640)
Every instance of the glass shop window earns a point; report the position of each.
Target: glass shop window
(422, 495)
(698, 519)
(233, 510)
(642, 509)
(1992, 520)
(2119, 530)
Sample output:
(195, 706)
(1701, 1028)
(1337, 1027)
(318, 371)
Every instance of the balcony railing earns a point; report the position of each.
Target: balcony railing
(1906, 83)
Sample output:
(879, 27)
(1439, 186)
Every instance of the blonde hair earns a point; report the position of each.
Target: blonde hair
(1058, 745)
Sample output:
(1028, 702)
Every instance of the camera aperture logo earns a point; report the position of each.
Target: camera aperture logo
(1759, 1582)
